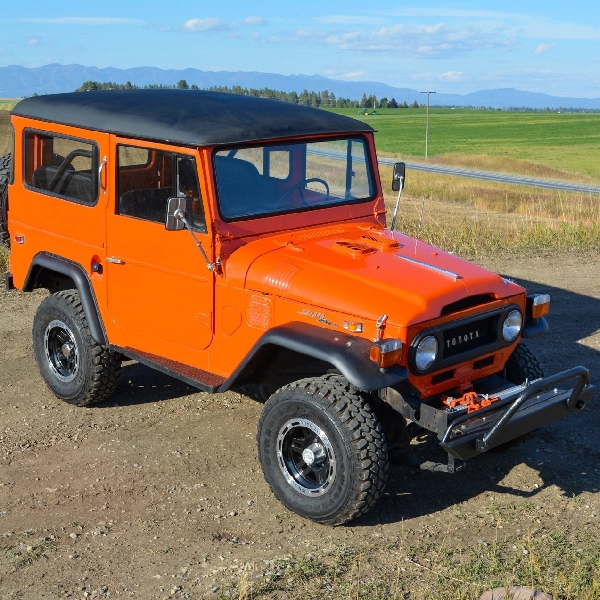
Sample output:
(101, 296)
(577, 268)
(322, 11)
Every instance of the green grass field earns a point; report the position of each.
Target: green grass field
(562, 141)
(8, 103)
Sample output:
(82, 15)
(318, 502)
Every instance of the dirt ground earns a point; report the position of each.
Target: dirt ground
(157, 492)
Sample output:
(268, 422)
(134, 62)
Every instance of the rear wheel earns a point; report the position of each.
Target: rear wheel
(322, 450)
(4, 180)
(73, 365)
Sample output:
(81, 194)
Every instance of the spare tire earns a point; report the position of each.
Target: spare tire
(4, 181)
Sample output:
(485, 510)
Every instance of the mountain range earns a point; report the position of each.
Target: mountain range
(17, 81)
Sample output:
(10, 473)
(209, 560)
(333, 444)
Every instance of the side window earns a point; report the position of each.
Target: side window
(147, 178)
(66, 167)
(277, 162)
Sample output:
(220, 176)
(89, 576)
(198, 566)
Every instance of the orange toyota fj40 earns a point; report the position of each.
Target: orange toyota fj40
(224, 240)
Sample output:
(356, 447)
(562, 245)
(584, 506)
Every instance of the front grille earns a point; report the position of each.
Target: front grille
(469, 336)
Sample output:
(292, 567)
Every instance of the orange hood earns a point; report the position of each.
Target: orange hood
(362, 271)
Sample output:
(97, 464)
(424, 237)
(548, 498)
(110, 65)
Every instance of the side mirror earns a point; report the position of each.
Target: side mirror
(399, 178)
(172, 221)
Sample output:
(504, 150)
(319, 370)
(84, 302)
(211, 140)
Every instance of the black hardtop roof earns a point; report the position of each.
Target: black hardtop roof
(188, 117)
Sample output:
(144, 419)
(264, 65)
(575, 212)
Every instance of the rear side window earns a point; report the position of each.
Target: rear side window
(147, 178)
(61, 166)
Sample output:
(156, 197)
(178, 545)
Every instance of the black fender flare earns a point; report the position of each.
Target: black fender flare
(74, 271)
(347, 353)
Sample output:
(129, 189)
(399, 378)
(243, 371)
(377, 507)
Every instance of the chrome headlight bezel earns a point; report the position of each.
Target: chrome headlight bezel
(426, 353)
(512, 326)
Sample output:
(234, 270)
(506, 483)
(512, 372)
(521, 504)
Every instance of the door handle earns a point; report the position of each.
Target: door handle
(115, 261)
(100, 179)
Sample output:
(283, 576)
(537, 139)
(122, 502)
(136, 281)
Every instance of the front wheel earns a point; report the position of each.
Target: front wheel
(322, 450)
(522, 365)
(73, 365)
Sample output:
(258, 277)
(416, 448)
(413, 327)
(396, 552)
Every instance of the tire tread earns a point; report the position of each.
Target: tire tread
(104, 364)
(368, 441)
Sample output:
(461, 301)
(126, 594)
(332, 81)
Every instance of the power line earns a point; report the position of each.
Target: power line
(427, 123)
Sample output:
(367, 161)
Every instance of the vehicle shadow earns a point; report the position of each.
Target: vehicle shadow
(566, 454)
(139, 384)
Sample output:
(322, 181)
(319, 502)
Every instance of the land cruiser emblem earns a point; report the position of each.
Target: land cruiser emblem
(319, 316)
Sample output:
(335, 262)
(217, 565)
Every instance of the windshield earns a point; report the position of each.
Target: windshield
(262, 180)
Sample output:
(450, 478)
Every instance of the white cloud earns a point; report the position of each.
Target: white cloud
(33, 41)
(453, 76)
(353, 75)
(208, 24)
(85, 21)
(448, 12)
(542, 48)
(254, 21)
(350, 20)
(421, 41)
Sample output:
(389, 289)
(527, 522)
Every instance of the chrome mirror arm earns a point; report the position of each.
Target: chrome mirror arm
(215, 267)
(393, 225)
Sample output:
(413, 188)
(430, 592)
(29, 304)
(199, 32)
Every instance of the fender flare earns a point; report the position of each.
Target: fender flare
(74, 271)
(347, 353)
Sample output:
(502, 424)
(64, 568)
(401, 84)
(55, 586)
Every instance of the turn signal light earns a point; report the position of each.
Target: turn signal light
(386, 352)
(538, 305)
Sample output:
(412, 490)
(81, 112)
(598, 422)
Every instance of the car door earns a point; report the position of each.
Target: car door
(159, 290)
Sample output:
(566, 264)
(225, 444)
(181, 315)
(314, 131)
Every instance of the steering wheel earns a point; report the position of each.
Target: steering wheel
(302, 184)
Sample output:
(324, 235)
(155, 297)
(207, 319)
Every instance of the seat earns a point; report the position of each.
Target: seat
(243, 191)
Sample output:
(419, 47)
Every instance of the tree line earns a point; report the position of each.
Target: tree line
(324, 98)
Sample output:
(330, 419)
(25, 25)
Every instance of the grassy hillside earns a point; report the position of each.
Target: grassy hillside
(564, 142)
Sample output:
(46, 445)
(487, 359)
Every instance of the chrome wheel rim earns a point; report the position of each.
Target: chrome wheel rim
(61, 350)
(306, 457)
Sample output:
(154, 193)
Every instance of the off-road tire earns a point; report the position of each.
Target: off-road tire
(521, 365)
(74, 367)
(4, 179)
(351, 435)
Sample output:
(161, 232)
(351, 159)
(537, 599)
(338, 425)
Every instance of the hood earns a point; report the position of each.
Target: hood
(365, 272)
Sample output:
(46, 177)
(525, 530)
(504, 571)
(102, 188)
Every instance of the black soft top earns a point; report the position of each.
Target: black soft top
(191, 118)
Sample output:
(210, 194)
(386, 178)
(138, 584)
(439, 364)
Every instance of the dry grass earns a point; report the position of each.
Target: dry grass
(563, 564)
(3, 260)
(476, 218)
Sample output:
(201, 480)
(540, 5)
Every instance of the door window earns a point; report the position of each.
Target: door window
(147, 178)
(61, 166)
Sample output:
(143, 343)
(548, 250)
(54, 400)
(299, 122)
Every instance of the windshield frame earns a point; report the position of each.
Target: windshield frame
(268, 147)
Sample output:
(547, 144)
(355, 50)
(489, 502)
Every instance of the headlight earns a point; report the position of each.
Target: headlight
(426, 353)
(512, 325)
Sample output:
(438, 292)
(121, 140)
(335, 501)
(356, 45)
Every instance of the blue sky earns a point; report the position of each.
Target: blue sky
(454, 47)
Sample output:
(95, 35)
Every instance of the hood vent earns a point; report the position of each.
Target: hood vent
(383, 244)
(352, 249)
(280, 278)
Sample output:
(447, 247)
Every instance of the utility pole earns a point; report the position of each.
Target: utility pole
(427, 123)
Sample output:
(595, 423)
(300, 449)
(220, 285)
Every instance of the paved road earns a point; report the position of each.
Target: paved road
(500, 177)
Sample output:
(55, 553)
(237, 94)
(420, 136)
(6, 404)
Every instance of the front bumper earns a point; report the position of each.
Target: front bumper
(522, 409)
